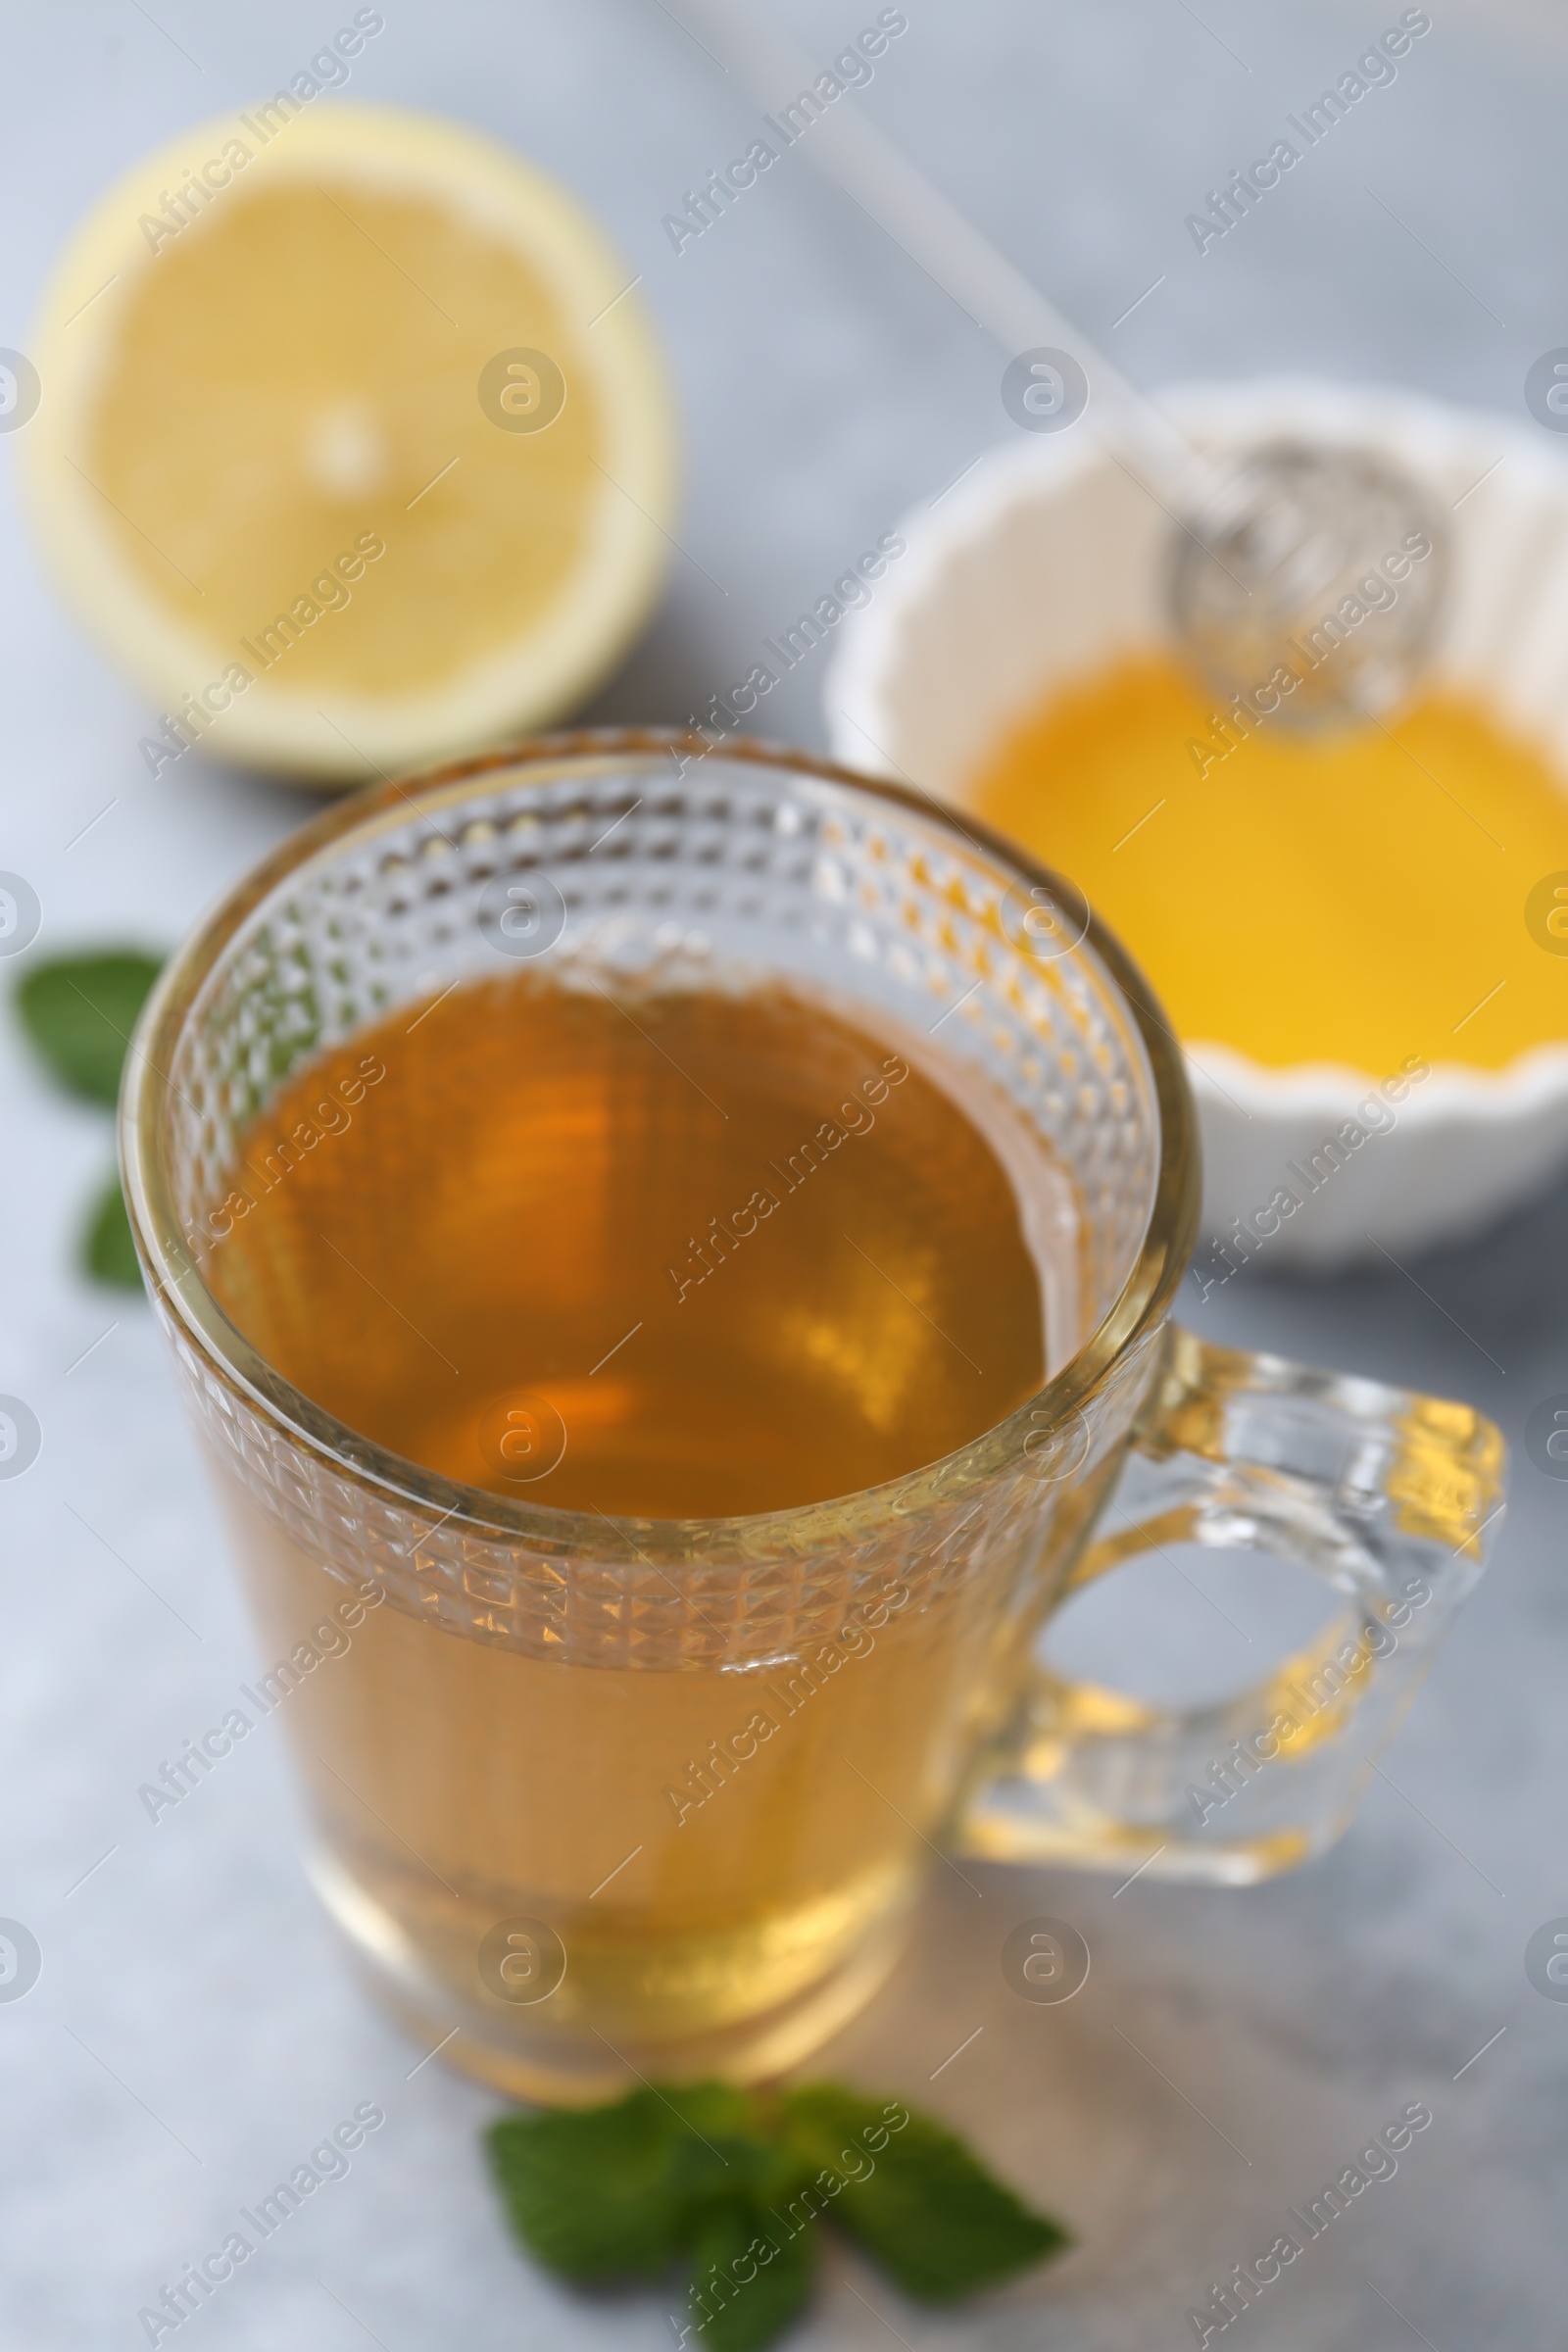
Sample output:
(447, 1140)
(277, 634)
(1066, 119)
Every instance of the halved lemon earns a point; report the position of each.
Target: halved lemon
(354, 447)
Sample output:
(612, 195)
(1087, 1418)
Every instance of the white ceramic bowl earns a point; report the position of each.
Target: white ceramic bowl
(1048, 559)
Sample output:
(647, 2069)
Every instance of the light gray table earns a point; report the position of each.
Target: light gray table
(194, 2030)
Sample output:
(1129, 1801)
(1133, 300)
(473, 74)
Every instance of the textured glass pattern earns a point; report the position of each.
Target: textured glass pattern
(729, 872)
(734, 868)
(776, 1587)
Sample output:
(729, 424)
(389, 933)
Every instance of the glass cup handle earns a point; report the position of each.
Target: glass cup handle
(1391, 1498)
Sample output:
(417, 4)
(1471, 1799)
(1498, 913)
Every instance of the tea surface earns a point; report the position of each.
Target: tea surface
(694, 1254)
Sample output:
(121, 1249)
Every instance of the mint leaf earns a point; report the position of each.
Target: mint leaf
(615, 2193)
(729, 2153)
(913, 2195)
(751, 2276)
(593, 2194)
(108, 1253)
(79, 1011)
(736, 2184)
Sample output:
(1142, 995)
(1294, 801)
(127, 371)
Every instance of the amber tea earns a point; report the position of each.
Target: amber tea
(729, 1252)
(697, 1252)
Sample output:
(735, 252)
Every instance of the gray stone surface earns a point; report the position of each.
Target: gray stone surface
(194, 2030)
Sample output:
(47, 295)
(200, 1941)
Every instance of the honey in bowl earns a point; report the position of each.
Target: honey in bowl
(1359, 901)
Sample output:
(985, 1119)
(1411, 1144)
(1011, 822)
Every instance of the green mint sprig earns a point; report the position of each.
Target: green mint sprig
(734, 2187)
(78, 1013)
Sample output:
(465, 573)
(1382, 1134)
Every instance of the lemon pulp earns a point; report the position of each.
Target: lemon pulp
(323, 412)
(283, 468)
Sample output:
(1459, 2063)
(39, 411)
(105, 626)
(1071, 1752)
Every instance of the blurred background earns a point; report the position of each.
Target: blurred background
(193, 2031)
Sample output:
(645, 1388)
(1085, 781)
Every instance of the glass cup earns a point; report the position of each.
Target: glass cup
(597, 1798)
